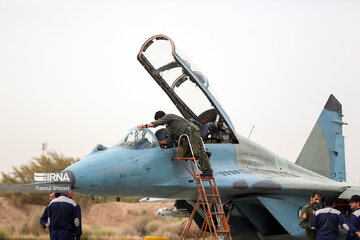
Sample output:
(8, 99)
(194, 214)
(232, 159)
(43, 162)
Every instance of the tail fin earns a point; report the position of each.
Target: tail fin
(323, 151)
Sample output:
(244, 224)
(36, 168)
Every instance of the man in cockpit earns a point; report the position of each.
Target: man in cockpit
(176, 126)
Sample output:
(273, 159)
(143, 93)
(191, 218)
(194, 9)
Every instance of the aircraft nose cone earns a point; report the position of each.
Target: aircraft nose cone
(71, 176)
(87, 175)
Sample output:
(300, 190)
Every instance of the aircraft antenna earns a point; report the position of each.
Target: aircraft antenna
(251, 131)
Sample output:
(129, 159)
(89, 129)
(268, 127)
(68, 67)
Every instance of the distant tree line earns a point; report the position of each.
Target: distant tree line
(47, 162)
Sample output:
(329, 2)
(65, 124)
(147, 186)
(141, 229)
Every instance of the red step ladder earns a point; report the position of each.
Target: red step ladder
(210, 201)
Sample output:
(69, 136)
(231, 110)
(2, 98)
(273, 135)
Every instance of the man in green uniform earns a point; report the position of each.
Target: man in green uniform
(176, 126)
(306, 214)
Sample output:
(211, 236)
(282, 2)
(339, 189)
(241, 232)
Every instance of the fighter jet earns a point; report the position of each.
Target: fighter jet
(261, 191)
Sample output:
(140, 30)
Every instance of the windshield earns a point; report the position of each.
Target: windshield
(138, 139)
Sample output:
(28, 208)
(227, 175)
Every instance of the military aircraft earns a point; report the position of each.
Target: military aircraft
(261, 191)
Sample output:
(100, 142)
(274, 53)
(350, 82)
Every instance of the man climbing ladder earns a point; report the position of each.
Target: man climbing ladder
(177, 126)
(209, 202)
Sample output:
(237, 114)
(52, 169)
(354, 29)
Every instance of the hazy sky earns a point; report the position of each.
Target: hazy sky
(69, 74)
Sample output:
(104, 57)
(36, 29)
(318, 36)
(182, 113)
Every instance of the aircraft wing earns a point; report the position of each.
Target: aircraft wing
(270, 182)
(148, 199)
(269, 202)
(353, 190)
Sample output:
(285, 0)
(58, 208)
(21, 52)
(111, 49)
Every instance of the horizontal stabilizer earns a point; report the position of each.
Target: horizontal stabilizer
(323, 151)
(348, 193)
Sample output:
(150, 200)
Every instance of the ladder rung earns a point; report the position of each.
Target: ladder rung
(183, 158)
(207, 179)
(209, 202)
(212, 195)
(218, 213)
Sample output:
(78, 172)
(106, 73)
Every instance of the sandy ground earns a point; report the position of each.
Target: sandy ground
(118, 214)
(114, 215)
(12, 215)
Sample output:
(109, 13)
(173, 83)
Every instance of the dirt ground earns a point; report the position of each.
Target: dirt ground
(114, 215)
(117, 215)
(12, 215)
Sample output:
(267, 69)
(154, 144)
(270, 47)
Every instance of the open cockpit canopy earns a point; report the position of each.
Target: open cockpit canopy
(187, 88)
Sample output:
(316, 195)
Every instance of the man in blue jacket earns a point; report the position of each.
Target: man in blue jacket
(45, 216)
(354, 217)
(65, 218)
(326, 222)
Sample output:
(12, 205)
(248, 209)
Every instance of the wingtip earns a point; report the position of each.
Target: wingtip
(333, 104)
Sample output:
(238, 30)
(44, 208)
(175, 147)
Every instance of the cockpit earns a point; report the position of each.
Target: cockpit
(138, 139)
(187, 88)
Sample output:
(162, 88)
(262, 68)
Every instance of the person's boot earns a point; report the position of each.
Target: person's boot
(206, 174)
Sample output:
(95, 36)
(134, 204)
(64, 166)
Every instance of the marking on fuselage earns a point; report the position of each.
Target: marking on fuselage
(230, 172)
(266, 185)
(269, 173)
(241, 184)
